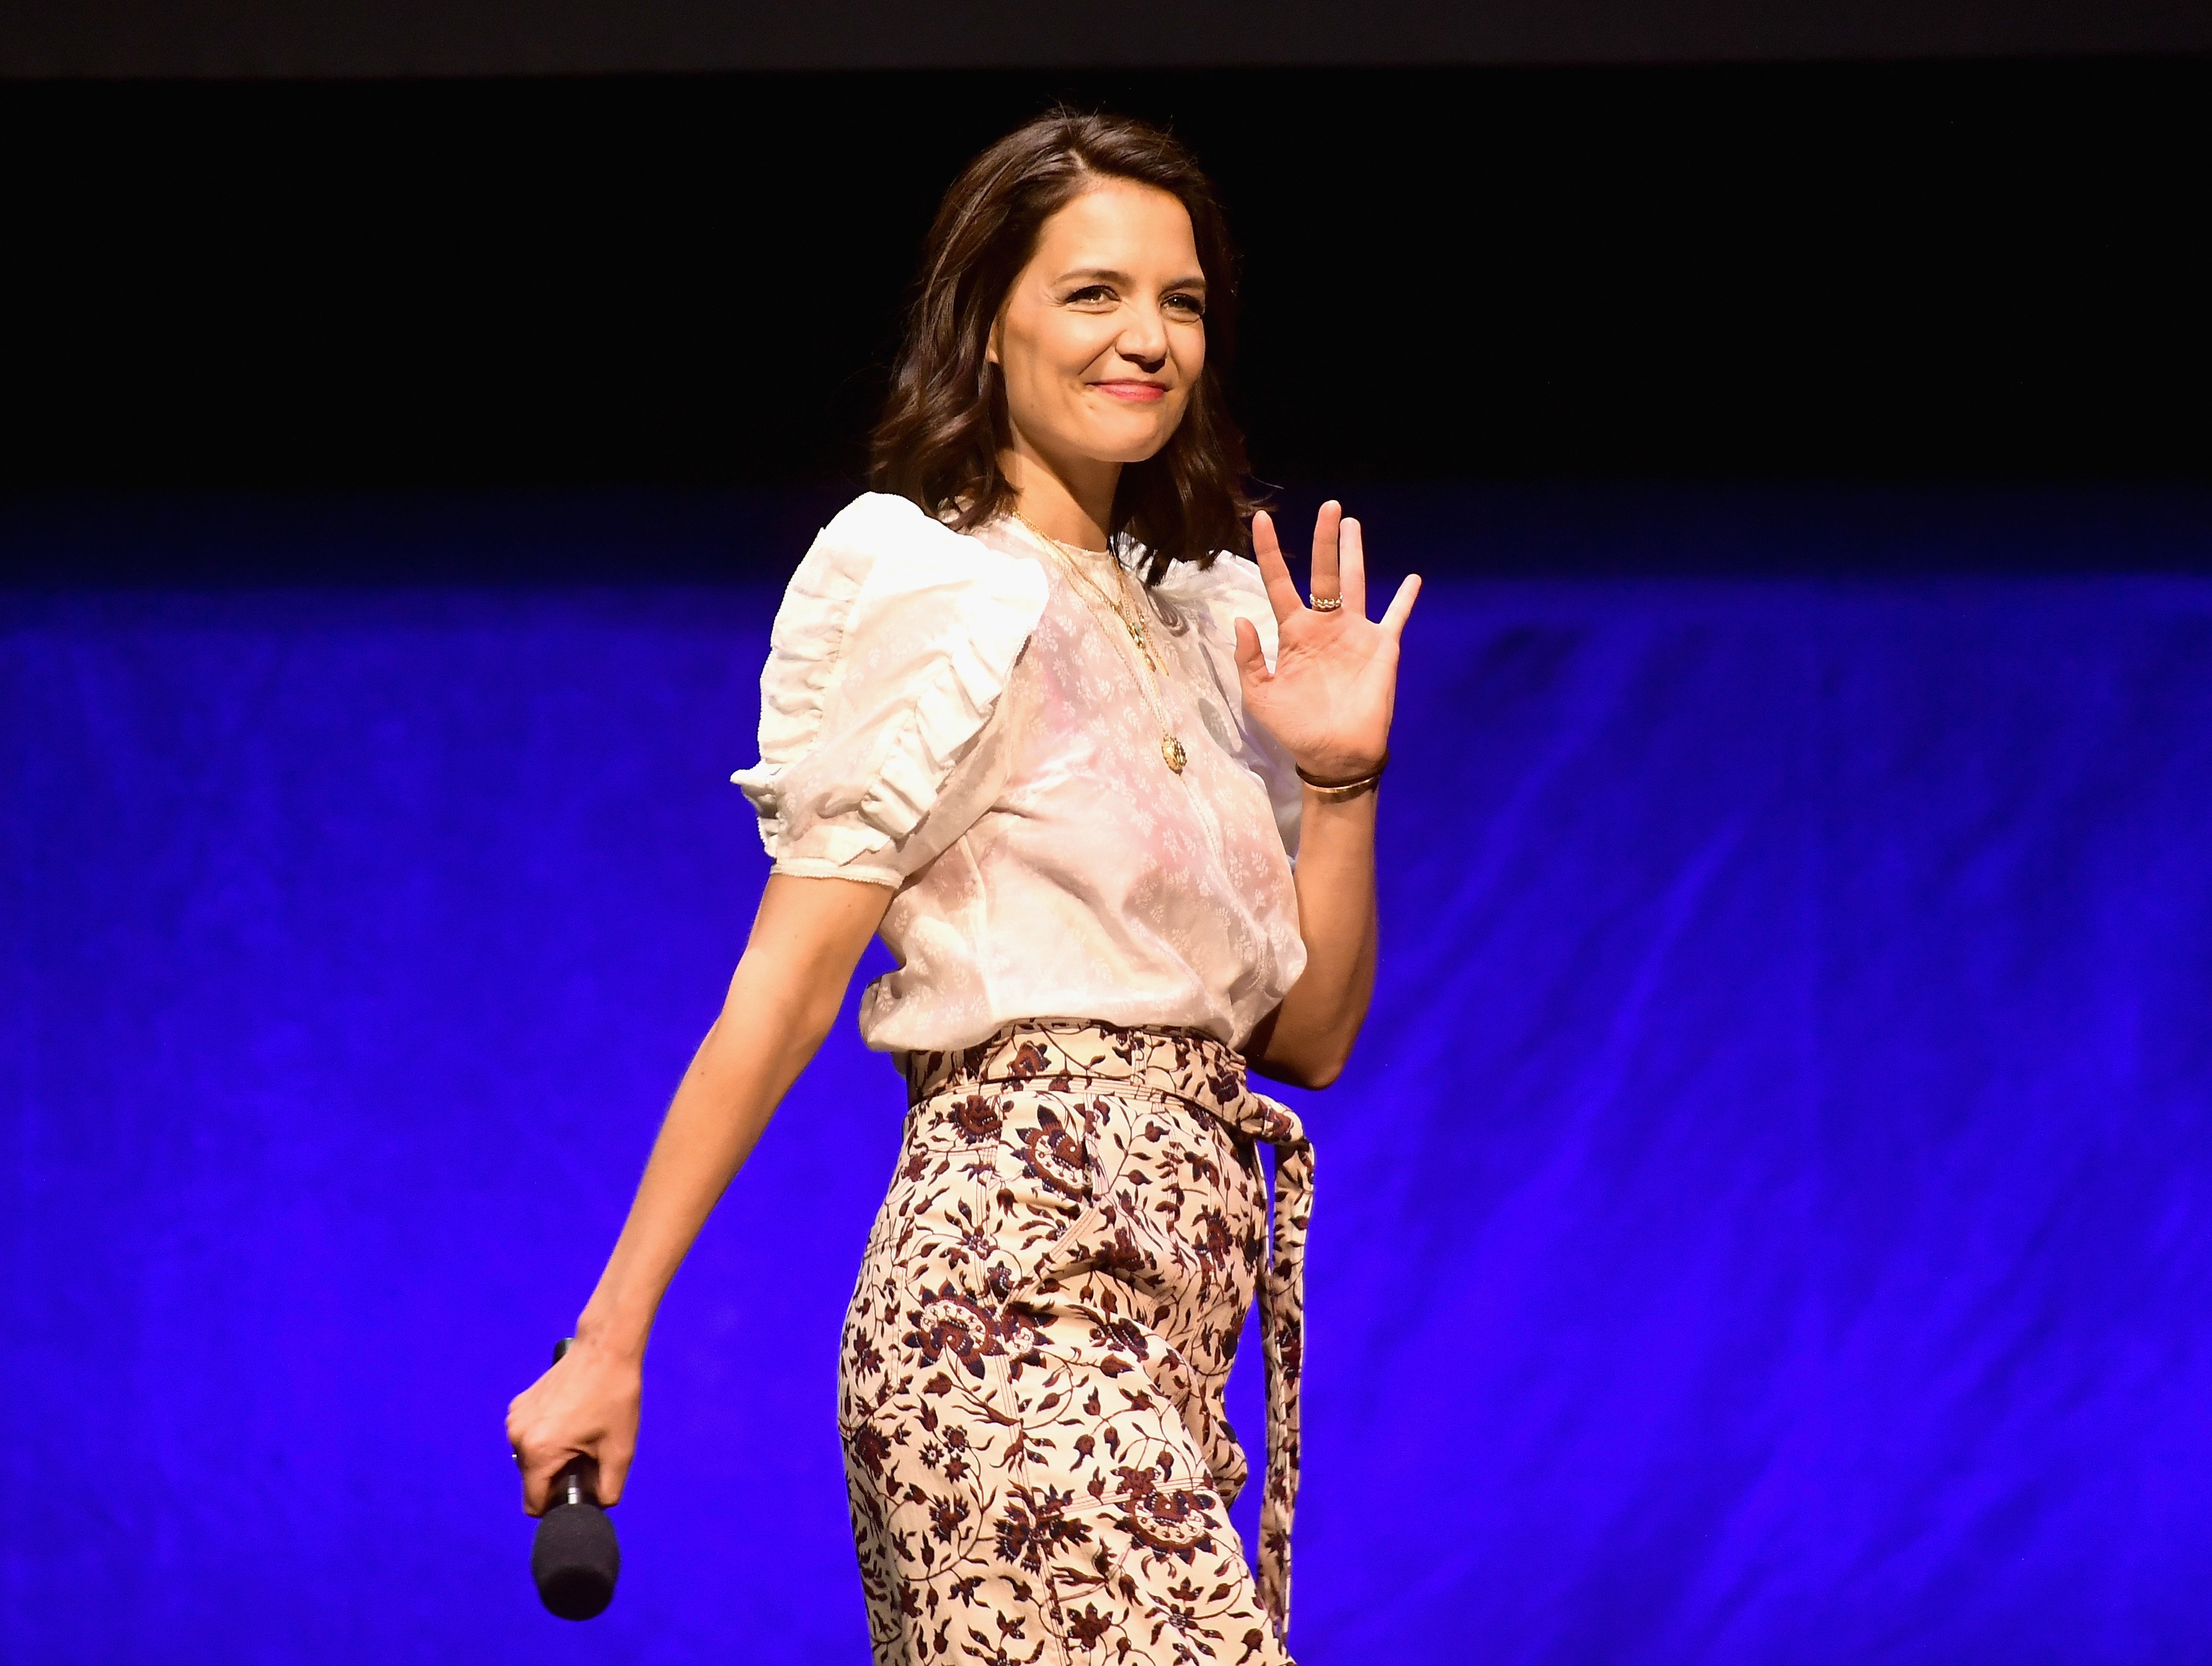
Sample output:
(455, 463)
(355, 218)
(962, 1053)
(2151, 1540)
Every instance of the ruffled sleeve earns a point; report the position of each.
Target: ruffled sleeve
(1228, 590)
(889, 653)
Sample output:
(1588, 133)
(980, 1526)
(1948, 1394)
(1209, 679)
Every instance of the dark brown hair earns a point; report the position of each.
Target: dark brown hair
(938, 443)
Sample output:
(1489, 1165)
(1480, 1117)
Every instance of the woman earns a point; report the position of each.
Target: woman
(1021, 720)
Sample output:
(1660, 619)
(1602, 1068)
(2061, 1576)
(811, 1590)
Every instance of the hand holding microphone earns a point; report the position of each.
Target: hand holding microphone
(575, 1558)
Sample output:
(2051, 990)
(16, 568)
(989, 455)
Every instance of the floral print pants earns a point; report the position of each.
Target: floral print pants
(1030, 1384)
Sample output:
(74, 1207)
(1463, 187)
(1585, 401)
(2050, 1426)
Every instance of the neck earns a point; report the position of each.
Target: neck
(1073, 503)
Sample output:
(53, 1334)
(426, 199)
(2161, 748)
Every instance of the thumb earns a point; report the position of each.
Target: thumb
(1251, 661)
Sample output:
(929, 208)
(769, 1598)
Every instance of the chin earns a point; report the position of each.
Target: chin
(1120, 446)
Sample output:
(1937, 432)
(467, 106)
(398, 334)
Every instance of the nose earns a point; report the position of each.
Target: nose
(1143, 341)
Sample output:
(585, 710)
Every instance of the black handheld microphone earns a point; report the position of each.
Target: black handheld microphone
(574, 1557)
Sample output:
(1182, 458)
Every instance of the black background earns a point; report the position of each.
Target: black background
(308, 38)
(1888, 271)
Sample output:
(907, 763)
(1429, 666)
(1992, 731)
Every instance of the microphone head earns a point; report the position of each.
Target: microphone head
(575, 1561)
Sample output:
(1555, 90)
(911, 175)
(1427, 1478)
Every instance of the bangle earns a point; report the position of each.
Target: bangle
(1336, 791)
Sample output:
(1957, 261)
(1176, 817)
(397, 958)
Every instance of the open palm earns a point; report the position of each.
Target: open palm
(1328, 699)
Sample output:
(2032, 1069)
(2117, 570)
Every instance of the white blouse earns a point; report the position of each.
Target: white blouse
(944, 713)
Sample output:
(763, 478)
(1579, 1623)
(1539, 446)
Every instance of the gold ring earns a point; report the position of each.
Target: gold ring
(1327, 604)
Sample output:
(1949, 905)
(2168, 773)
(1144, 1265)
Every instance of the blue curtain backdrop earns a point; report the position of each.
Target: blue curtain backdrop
(1769, 1219)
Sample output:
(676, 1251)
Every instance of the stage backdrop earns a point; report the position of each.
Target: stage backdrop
(1769, 1219)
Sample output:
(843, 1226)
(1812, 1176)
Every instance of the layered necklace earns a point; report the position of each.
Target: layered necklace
(1075, 560)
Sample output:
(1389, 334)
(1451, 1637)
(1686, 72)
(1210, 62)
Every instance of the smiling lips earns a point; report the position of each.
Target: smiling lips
(1135, 393)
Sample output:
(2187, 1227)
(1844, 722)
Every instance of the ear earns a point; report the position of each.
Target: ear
(991, 341)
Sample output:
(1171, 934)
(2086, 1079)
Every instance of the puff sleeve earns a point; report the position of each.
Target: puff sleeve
(889, 653)
(1229, 589)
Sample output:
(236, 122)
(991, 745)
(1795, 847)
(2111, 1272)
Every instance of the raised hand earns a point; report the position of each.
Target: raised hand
(1329, 698)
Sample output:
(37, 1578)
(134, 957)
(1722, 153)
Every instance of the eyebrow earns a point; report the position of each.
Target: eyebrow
(1111, 275)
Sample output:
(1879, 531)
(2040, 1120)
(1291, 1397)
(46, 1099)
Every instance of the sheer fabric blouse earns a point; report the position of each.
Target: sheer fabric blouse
(944, 713)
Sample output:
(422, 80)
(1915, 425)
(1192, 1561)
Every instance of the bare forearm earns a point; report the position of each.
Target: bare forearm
(736, 1078)
(783, 999)
(1310, 1035)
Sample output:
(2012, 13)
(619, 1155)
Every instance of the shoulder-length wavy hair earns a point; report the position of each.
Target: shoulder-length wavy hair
(944, 422)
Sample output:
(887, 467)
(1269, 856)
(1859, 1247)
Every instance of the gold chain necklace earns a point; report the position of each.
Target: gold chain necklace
(1171, 747)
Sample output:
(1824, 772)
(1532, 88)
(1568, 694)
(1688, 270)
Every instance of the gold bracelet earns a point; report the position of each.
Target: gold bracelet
(1335, 792)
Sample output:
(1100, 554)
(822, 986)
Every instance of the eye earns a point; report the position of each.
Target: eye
(1092, 294)
(1187, 305)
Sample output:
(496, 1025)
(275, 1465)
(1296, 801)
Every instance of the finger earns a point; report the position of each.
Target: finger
(1402, 605)
(1351, 570)
(1274, 571)
(614, 1473)
(514, 1445)
(1324, 576)
(537, 1481)
(1251, 658)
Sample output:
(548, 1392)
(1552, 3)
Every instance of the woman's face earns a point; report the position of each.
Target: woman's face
(1103, 335)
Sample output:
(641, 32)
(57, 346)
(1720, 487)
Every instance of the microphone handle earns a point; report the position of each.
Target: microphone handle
(577, 1482)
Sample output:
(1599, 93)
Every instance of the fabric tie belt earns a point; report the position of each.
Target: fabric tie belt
(1206, 1074)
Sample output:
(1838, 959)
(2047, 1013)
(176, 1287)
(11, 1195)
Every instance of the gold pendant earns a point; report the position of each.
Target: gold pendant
(1171, 750)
